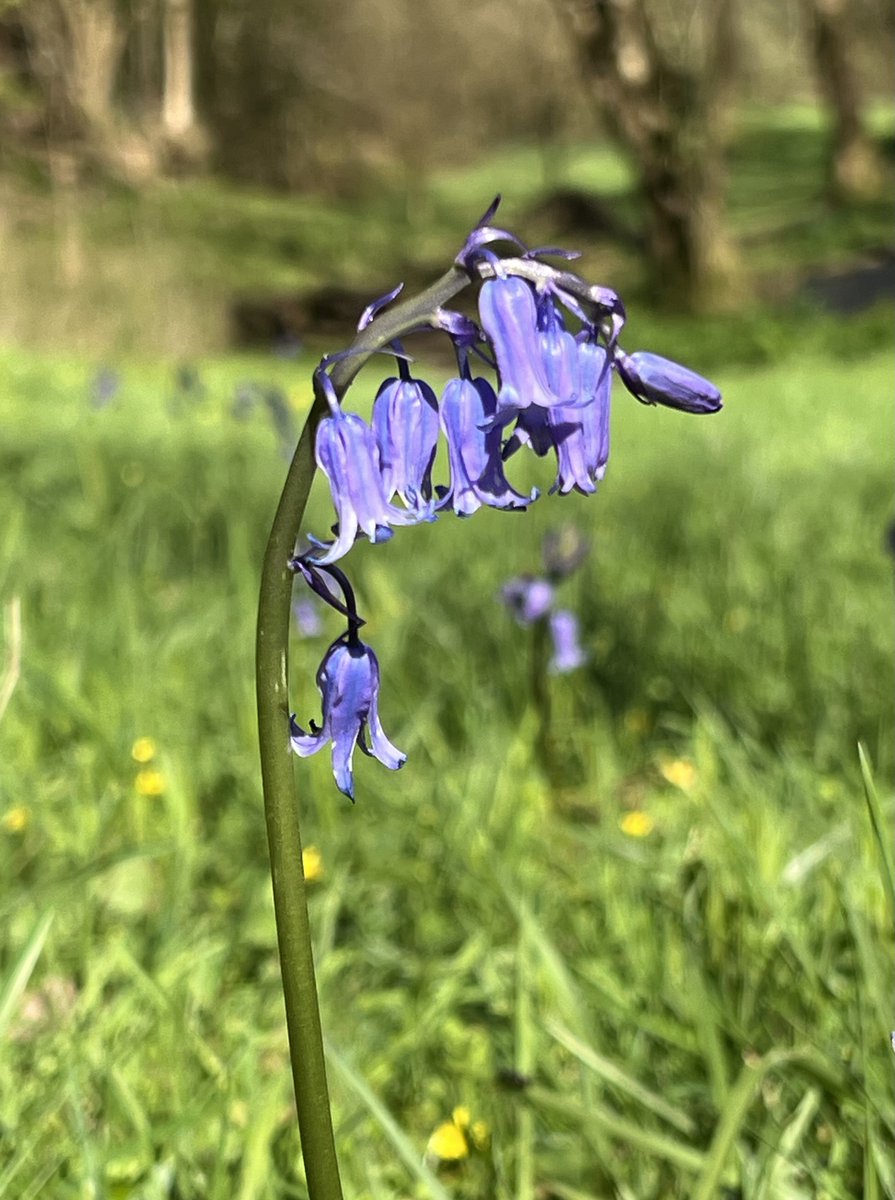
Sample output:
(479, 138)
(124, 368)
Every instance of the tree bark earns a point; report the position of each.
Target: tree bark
(668, 119)
(178, 109)
(855, 170)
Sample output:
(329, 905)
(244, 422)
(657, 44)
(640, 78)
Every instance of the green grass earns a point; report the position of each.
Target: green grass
(703, 1011)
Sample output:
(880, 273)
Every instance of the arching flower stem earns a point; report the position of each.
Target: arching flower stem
(281, 801)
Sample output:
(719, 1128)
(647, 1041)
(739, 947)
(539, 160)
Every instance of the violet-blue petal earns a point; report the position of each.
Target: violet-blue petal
(348, 455)
(567, 652)
(657, 380)
(477, 475)
(528, 597)
(508, 315)
(405, 421)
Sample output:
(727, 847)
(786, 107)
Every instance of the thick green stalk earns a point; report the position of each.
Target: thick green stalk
(280, 797)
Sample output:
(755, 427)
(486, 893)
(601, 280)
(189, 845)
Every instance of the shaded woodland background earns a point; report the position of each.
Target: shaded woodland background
(346, 102)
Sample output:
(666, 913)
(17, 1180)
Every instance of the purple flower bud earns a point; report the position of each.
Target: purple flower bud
(348, 455)
(563, 551)
(656, 380)
(509, 317)
(477, 475)
(405, 421)
(528, 598)
(567, 653)
(348, 680)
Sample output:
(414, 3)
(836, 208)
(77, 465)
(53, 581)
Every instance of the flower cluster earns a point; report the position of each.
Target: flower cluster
(532, 599)
(550, 347)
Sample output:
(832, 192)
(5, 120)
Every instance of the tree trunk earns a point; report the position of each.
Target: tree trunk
(178, 110)
(668, 121)
(855, 169)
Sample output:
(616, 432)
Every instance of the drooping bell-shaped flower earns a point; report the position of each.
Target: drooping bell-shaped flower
(348, 454)
(578, 432)
(405, 421)
(528, 598)
(509, 316)
(657, 380)
(477, 475)
(348, 680)
(567, 652)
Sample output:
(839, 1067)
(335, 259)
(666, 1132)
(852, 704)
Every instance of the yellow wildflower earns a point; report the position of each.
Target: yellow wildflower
(448, 1143)
(143, 750)
(15, 820)
(461, 1116)
(480, 1134)
(637, 824)
(680, 772)
(312, 864)
(150, 782)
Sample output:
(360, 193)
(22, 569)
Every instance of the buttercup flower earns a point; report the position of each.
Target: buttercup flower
(477, 475)
(348, 680)
(657, 380)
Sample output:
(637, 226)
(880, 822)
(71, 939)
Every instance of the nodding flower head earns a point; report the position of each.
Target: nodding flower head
(477, 475)
(348, 454)
(528, 598)
(567, 652)
(578, 432)
(405, 421)
(348, 680)
(657, 380)
(509, 316)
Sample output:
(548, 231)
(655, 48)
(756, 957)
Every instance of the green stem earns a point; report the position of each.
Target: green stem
(280, 796)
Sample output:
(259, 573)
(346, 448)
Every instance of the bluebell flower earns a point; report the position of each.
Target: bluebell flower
(528, 598)
(348, 680)
(477, 475)
(509, 316)
(578, 432)
(657, 380)
(405, 421)
(347, 453)
(567, 652)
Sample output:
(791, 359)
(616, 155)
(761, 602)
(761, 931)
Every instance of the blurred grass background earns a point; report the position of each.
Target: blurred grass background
(695, 1002)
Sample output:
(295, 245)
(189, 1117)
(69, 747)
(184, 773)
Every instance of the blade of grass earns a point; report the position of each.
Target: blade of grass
(525, 1058)
(17, 979)
(407, 1152)
(616, 1077)
(595, 1117)
(887, 868)
(733, 1117)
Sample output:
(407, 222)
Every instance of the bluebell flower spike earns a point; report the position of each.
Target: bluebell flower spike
(348, 680)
